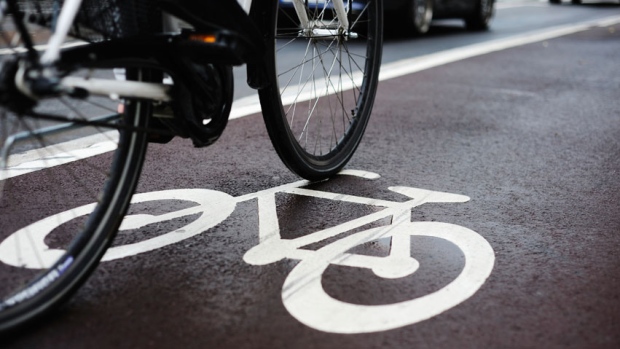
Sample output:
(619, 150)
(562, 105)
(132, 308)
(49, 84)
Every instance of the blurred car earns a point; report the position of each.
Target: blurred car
(415, 16)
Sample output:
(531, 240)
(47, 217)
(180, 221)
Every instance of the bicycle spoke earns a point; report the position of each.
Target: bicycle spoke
(324, 121)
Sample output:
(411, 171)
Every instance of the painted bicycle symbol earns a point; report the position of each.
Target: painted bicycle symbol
(302, 292)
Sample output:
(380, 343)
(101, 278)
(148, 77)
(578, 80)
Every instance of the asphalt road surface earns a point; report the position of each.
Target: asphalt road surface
(517, 147)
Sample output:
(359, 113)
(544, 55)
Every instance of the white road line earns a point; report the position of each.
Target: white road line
(250, 105)
(514, 4)
(416, 64)
(9, 51)
(59, 154)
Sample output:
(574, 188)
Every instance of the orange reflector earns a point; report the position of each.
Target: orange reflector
(206, 38)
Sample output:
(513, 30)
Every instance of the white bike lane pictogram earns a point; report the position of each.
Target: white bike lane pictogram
(302, 292)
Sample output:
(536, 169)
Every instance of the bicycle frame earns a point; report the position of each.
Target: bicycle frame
(144, 90)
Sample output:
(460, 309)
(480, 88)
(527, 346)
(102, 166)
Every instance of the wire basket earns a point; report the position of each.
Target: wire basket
(98, 20)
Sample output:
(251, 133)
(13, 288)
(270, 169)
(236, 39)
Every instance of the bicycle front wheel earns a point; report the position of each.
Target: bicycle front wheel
(323, 82)
(61, 153)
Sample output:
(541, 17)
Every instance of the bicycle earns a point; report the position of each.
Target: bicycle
(302, 293)
(81, 102)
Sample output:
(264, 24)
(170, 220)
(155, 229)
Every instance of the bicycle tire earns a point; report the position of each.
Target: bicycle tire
(481, 18)
(318, 145)
(36, 279)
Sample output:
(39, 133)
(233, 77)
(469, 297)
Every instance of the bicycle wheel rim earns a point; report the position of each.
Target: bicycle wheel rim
(49, 170)
(322, 89)
(82, 255)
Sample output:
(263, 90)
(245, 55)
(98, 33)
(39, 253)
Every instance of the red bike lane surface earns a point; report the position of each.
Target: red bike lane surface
(531, 134)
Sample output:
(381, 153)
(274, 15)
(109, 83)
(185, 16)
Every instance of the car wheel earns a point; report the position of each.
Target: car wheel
(555, 2)
(482, 15)
(419, 16)
(576, 2)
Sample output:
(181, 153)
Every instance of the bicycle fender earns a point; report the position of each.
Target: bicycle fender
(263, 14)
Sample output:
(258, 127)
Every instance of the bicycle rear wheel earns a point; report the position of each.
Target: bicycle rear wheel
(323, 83)
(48, 167)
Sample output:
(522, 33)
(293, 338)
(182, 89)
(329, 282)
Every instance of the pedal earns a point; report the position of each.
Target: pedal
(163, 111)
(163, 120)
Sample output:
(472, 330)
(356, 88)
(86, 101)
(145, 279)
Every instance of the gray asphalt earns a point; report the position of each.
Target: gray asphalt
(531, 134)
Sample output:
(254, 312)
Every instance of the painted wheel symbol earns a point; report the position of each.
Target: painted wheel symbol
(304, 296)
(214, 207)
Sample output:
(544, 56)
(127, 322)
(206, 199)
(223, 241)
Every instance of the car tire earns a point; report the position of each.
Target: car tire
(413, 19)
(576, 2)
(555, 2)
(481, 18)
